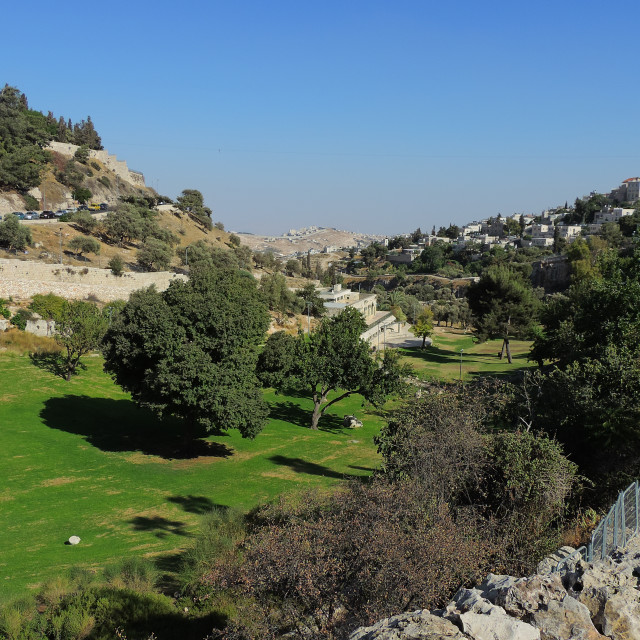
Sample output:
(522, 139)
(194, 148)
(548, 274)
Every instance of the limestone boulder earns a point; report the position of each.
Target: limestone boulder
(479, 619)
(565, 619)
(496, 625)
(620, 619)
(527, 595)
(596, 583)
(419, 625)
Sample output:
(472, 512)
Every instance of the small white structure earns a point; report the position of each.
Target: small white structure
(73, 540)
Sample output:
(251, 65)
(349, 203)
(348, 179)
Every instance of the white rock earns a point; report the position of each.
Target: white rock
(74, 540)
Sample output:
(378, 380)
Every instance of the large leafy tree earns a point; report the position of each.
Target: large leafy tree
(503, 305)
(330, 364)
(587, 391)
(191, 351)
(423, 327)
(596, 313)
(191, 201)
(80, 327)
(13, 235)
(23, 133)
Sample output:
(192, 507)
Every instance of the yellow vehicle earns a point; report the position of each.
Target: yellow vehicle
(94, 207)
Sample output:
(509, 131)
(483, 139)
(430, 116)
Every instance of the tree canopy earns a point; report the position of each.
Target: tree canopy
(80, 327)
(333, 360)
(191, 351)
(14, 235)
(503, 305)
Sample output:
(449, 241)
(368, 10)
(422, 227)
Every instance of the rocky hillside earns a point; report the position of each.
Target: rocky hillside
(588, 601)
(106, 177)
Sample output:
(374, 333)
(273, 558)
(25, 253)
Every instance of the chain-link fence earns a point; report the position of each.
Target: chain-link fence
(614, 530)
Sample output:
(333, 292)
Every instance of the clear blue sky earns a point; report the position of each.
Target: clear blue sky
(363, 115)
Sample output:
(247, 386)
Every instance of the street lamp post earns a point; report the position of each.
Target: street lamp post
(60, 245)
(461, 352)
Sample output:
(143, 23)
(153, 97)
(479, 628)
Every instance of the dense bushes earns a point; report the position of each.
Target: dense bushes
(457, 496)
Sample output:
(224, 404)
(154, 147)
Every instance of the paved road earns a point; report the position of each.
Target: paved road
(97, 216)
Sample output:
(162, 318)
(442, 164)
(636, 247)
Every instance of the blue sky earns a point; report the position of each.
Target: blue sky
(369, 116)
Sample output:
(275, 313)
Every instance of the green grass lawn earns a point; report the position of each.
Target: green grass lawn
(442, 359)
(78, 458)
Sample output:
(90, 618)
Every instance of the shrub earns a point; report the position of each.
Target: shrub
(48, 306)
(31, 203)
(20, 319)
(95, 165)
(116, 264)
(84, 221)
(370, 550)
(154, 255)
(133, 573)
(105, 181)
(82, 154)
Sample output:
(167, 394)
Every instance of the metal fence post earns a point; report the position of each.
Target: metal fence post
(636, 487)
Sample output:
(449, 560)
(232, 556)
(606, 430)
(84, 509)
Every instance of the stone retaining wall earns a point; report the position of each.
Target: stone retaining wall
(119, 167)
(21, 279)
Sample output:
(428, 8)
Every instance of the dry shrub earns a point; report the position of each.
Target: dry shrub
(362, 554)
(22, 342)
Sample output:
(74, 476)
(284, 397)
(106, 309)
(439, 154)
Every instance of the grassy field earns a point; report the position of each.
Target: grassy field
(79, 458)
(442, 359)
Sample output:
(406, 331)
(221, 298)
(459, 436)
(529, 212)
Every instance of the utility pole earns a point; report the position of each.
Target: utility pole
(309, 305)
(60, 245)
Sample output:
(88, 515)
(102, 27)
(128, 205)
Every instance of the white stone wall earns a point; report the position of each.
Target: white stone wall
(21, 279)
(119, 167)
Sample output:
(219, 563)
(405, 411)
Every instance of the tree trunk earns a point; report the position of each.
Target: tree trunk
(502, 350)
(506, 340)
(424, 340)
(315, 417)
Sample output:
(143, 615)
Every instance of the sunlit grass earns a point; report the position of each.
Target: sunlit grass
(443, 360)
(80, 459)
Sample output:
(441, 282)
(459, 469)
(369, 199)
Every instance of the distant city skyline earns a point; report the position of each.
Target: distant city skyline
(375, 117)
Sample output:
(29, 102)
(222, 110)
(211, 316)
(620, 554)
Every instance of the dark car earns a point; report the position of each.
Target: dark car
(83, 207)
(47, 215)
(103, 206)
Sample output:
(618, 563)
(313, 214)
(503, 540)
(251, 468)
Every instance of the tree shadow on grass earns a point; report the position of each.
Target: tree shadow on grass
(53, 363)
(310, 468)
(159, 526)
(288, 411)
(118, 425)
(195, 504)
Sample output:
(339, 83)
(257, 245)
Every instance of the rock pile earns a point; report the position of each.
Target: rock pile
(585, 601)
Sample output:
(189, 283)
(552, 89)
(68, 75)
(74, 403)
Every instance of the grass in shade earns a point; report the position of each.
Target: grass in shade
(79, 458)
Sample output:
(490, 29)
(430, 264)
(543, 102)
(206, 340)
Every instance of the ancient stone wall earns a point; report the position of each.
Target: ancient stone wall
(119, 167)
(21, 279)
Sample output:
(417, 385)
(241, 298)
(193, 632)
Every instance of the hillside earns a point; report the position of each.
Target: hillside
(105, 177)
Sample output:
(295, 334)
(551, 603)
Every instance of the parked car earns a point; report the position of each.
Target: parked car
(47, 215)
(103, 206)
(30, 215)
(83, 207)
